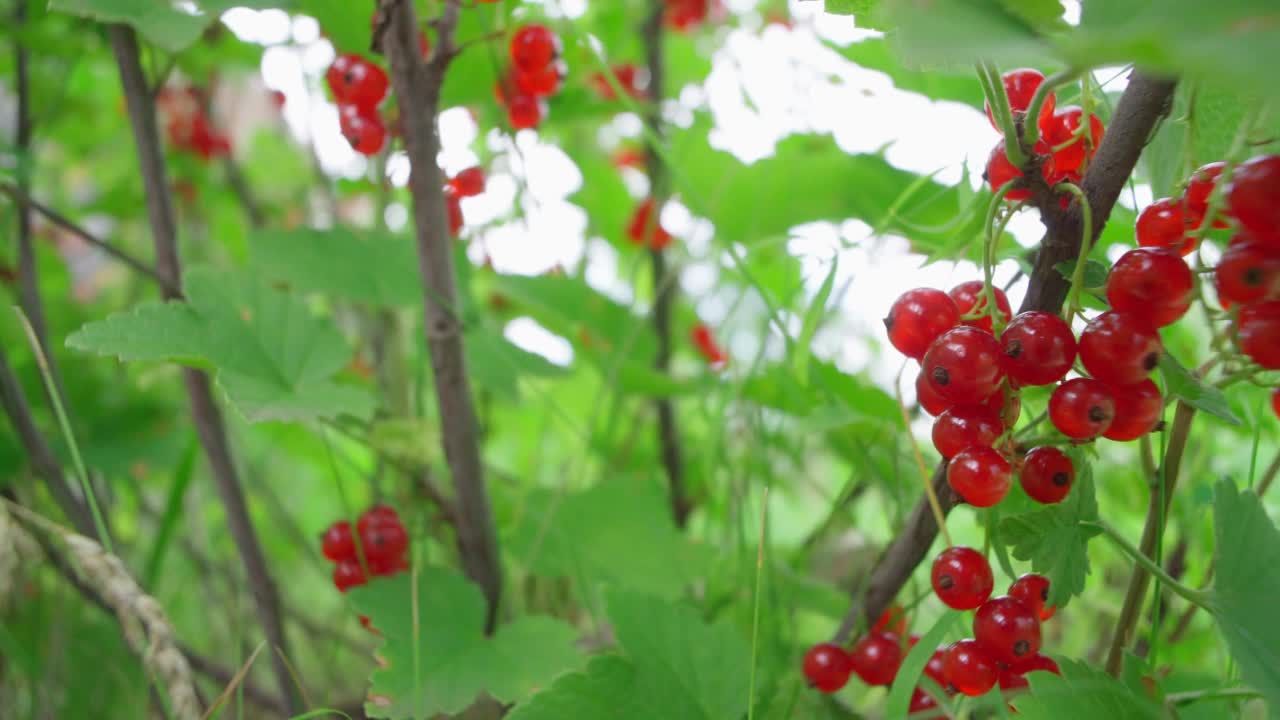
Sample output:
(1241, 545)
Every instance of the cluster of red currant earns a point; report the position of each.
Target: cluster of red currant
(359, 86)
(535, 74)
(467, 183)
(686, 15)
(707, 346)
(378, 544)
(633, 80)
(1062, 149)
(188, 125)
(645, 227)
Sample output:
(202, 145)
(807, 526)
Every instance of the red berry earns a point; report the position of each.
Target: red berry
(1039, 348)
(540, 83)
(922, 701)
(384, 541)
(468, 183)
(1259, 333)
(933, 668)
(1196, 197)
(533, 47)
(1163, 225)
(1032, 590)
(1060, 130)
(388, 565)
(918, 317)
(645, 219)
(1253, 198)
(963, 365)
(1138, 409)
(1248, 272)
(356, 81)
(1119, 348)
(980, 475)
(453, 208)
(364, 130)
(1151, 283)
(970, 299)
(376, 516)
(1000, 171)
(348, 574)
(1010, 680)
(337, 543)
(962, 578)
(963, 426)
(1020, 85)
(827, 667)
(524, 112)
(1036, 663)
(892, 620)
(1082, 408)
(1047, 474)
(932, 402)
(632, 79)
(876, 658)
(684, 15)
(969, 668)
(707, 345)
(1007, 629)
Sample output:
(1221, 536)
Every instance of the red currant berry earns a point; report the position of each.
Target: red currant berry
(1151, 283)
(827, 667)
(337, 543)
(1010, 681)
(1196, 198)
(933, 669)
(876, 658)
(922, 702)
(533, 47)
(1119, 348)
(1039, 348)
(1253, 198)
(932, 402)
(684, 15)
(1032, 590)
(1047, 475)
(348, 574)
(524, 112)
(540, 83)
(892, 620)
(453, 208)
(962, 578)
(1163, 225)
(917, 318)
(468, 183)
(1007, 629)
(970, 300)
(643, 220)
(1259, 333)
(1248, 272)
(1082, 408)
(963, 365)
(969, 668)
(1000, 171)
(963, 426)
(356, 81)
(1036, 663)
(377, 516)
(388, 565)
(1061, 130)
(384, 541)
(1138, 409)
(1020, 86)
(980, 475)
(364, 131)
(706, 343)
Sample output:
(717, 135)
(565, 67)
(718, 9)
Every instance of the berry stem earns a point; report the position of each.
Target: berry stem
(1235, 154)
(989, 254)
(1200, 598)
(1086, 244)
(938, 515)
(1031, 129)
(998, 99)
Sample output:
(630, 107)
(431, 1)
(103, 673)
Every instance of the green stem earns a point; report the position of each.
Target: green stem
(998, 101)
(1031, 129)
(1086, 244)
(989, 261)
(755, 612)
(1186, 698)
(1195, 597)
(1239, 146)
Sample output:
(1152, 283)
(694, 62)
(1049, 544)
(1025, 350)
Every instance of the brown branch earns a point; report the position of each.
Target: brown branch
(1144, 101)
(28, 274)
(417, 87)
(204, 410)
(664, 290)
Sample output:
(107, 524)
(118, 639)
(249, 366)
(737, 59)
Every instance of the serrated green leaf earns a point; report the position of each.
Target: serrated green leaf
(606, 690)
(377, 268)
(1095, 273)
(168, 25)
(438, 659)
(1181, 384)
(1081, 692)
(1247, 553)
(1053, 539)
(275, 359)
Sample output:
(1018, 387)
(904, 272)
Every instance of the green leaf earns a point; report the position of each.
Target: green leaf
(866, 12)
(1247, 552)
(1081, 692)
(1182, 384)
(959, 85)
(1095, 273)
(163, 23)
(908, 677)
(950, 32)
(438, 659)
(606, 690)
(800, 360)
(346, 23)
(380, 269)
(1053, 539)
(275, 359)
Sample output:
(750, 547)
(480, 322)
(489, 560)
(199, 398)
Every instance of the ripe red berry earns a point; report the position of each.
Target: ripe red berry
(1061, 130)
(922, 702)
(1000, 171)
(684, 15)
(827, 667)
(356, 81)
(468, 183)
(389, 565)
(1009, 680)
(932, 402)
(348, 574)
(643, 220)
(1020, 85)
(1163, 225)
(962, 578)
(1248, 272)
(1196, 198)
(453, 208)
(980, 475)
(1253, 198)
(363, 130)
(1138, 409)
(337, 543)
(963, 426)
(524, 111)
(970, 299)
(1082, 408)
(1047, 474)
(376, 516)
(706, 343)
(533, 47)
(384, 541)
(1119, 348)
(632, 79)
(1259, 333)
(1008, 630)
(892, 620)
(1039, 348)
(963, 365)
(1151, 283)
(544, 82)
(934, 668)
(917, 318)
(1032, 590)
(969, 668)
(1036, 663)
(876, 658)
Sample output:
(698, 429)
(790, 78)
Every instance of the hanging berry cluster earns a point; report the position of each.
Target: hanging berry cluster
(188, 125)
(359, 86)
(383, 544)
(685, 15)
(467, 183)
(707, 346)
(645, 227)
(536, 73)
